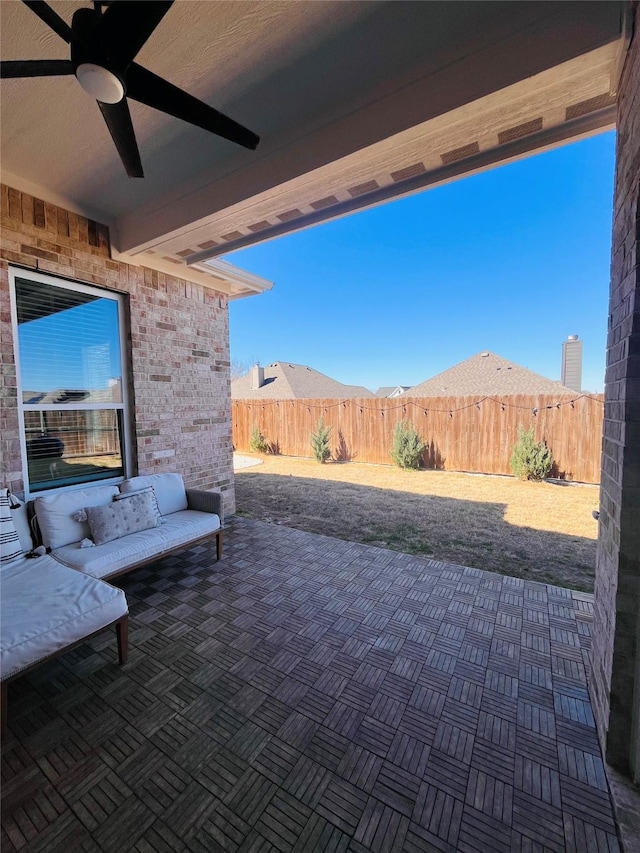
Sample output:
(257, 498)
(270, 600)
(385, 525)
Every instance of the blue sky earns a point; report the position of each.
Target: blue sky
(512, 260)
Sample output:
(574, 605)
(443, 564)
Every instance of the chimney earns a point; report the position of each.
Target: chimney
(257, 377)
(572, 363)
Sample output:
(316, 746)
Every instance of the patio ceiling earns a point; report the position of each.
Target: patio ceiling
(355, 103)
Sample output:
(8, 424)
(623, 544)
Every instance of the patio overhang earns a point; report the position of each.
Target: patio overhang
(349, 117)
(215, 273)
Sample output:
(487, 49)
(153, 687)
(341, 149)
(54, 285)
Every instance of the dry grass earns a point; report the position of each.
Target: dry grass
(540, 531)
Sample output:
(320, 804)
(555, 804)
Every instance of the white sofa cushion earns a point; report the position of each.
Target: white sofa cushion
(169, 489)
(46, 607)
(180, 528)
(54, 512)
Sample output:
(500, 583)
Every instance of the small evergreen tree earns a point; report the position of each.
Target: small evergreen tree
(320, 441)
(257, 441)
(408, 447)
(531, 459)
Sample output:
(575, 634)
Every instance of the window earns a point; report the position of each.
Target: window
(71, 395)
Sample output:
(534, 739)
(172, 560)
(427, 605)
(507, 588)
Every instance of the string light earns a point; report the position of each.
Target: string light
(417, 404)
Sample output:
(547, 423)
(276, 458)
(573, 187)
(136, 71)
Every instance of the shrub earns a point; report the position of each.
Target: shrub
(257, 441)
(531, 459)
(408, 447)
(320, 441)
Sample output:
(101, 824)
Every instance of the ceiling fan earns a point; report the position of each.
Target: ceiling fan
(103, 47)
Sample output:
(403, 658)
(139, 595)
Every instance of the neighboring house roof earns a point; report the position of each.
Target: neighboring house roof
(487, 374)
(112, 393)
(285, 381)
(391, 390)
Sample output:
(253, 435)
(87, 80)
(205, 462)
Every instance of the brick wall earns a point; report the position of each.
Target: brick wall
(615, 683)
(179, 346)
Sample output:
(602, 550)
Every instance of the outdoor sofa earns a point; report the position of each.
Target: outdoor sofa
(60, 598)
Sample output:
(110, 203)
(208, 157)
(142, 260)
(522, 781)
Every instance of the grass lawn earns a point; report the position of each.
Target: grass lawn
(539, 531)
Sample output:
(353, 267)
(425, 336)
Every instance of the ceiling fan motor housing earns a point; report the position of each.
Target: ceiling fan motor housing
(92, 68)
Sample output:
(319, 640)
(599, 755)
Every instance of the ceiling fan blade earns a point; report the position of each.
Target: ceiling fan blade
(118, 119)
(35, 68)
(125, 27)
(148, 88)
(51, 19)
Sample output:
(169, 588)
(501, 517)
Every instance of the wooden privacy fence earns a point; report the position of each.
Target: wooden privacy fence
(461, 433)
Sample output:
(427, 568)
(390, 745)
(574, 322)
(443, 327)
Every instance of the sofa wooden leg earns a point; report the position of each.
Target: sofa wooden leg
(3, 708)
(122, 633)
(219, 545)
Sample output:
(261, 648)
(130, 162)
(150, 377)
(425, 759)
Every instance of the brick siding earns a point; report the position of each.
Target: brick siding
(614, 684)
(179, 344)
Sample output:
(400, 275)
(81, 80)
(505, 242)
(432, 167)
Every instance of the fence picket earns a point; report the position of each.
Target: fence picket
(462, 433)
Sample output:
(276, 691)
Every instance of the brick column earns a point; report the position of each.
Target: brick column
(615, 656)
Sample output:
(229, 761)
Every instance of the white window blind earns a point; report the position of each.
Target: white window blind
(70, 368)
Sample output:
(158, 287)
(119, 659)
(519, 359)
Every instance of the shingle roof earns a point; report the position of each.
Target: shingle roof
(388, 390)
(487, 374)
(285, 381)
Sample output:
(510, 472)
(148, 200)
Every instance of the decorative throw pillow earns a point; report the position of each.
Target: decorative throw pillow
(10, 548)
(123, 496)
(21, 522)
(120, 518)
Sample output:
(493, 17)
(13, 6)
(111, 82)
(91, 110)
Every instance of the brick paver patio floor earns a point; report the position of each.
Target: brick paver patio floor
(311, 694)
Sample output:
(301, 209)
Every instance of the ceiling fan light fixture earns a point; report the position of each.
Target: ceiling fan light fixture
(113, 39)
(100, 83)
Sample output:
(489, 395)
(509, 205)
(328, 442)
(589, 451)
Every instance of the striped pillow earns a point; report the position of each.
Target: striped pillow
(10, 548)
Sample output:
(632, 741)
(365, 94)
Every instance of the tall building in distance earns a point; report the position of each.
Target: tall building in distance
(572, 363)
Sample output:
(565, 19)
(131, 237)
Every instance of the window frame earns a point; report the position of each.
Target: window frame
(17, 272)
